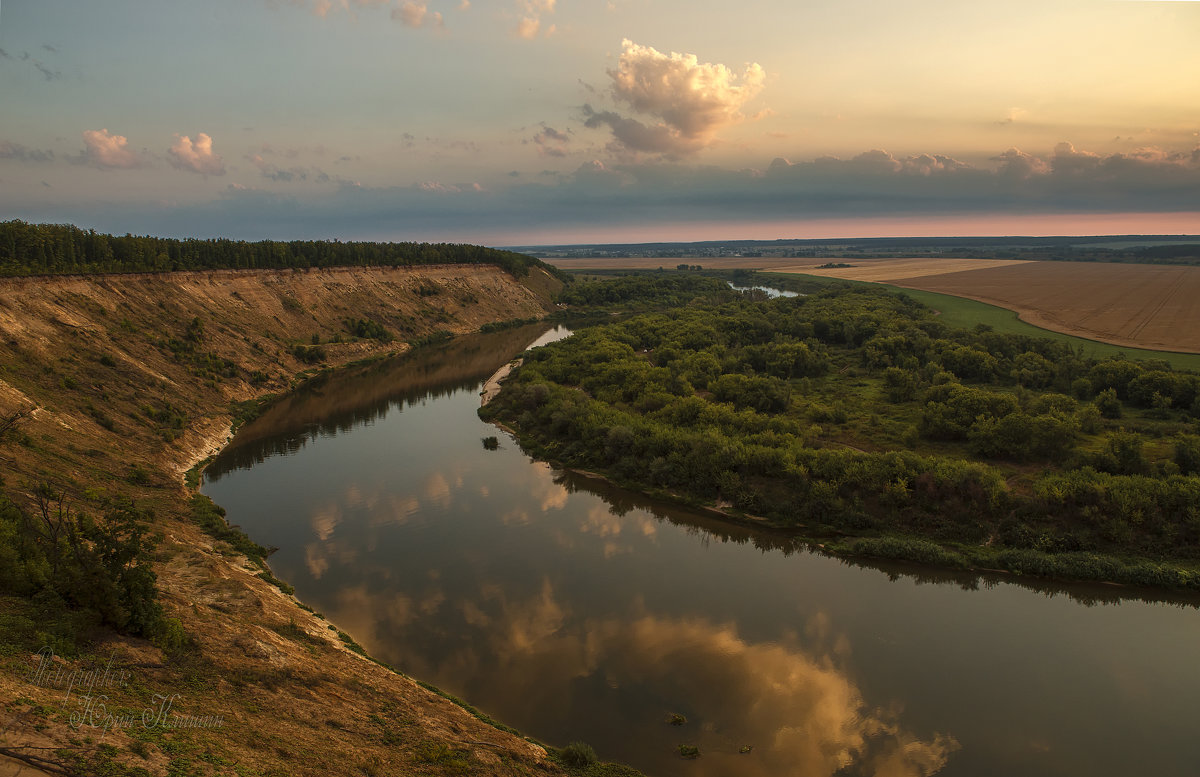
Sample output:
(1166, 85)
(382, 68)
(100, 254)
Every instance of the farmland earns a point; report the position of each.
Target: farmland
(1143, 310)
(1139, 306)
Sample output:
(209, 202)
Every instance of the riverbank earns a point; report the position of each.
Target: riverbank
(134, 381)
(1120, 572)
(828, 438)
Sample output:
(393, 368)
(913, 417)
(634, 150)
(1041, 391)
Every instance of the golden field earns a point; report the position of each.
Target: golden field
(1148, 306)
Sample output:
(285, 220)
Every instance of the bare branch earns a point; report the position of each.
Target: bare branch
(13, 420)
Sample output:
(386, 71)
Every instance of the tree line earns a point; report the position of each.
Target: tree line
(57, 249)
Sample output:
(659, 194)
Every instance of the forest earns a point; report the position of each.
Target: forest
(57, 249)
(856, 418)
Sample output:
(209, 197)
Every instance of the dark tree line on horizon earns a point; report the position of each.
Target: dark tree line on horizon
(62, 249)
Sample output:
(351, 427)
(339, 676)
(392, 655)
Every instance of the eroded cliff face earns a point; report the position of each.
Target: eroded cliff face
(130, 381)
(100, 351)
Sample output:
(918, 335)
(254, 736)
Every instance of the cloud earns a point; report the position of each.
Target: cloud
(551, 142)
(690, 100)
(417, 14)
(11, 150)
(49, 73)
(323, 8)
(604, 196)
(528, 28)
(197, 156)
(273, 172)
(1069, 161)
(634, 135)
(530, 23)
(1014, 115)
(296, 173)
(435, 187)
(1015, 163)
(105, 150)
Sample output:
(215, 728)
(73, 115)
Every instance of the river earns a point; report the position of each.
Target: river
(574, 610)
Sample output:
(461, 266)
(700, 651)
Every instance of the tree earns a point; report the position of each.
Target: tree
(1108, 404)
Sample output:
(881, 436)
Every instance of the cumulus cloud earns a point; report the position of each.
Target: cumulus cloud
(872, 164)
(685, 102)
(530, 23)
(105, 150)
(1015, 163)
(21, 153)
(196, 156)
(1068, 160)
(417, 14)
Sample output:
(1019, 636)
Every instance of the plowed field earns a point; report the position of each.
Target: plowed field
(1135, 305)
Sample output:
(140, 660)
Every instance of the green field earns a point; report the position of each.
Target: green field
(959, 311)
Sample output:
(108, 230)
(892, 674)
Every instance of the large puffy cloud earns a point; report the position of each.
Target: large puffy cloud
(106, 150)
(196, 156)
(688, 100)
(691, 97)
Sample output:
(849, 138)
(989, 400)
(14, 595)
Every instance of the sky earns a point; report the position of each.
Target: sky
(509, 122)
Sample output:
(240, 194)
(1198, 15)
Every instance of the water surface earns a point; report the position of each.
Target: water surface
(574, 610)
(770, 291)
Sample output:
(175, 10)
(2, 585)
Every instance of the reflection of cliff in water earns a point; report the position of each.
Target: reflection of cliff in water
(336, 402)
(714, 528)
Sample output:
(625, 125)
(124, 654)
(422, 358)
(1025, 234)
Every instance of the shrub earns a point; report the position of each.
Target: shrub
(1187, 454)
(1108, 404)
(66, 557)
(578, 755)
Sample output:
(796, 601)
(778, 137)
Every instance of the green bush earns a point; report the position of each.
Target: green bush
(578, 755)
(101, 567)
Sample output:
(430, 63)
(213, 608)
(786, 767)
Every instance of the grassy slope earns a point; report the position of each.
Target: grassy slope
(293, 693)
